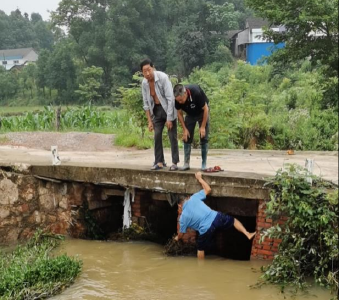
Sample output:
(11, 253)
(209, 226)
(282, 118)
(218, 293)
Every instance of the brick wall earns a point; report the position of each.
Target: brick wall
(269, 247)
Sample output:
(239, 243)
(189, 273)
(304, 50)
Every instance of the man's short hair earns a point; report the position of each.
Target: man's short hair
(179, 90)
(146, 62)
(183, 197)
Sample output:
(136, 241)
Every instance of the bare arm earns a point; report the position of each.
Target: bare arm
(179, 236)
(204, 122)
(203, 183)
(181, 119)
(185, 130)
(150, 123)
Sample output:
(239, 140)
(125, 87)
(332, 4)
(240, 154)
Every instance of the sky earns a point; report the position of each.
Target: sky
(38, 6)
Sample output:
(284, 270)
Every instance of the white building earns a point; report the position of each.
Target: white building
(17, 57)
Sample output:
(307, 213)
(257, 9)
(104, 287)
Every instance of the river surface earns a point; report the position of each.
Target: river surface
(139, 270)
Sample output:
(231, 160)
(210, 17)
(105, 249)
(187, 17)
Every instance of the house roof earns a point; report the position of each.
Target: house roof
(232, 33)
(253, 23)
(15, 53)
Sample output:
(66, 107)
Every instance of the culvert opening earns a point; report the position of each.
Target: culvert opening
(157, 220)
(163, 220)
(153, 217)
(102, 218)
(231, 243)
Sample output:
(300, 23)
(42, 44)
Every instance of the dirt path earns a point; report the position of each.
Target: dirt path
(72, 141)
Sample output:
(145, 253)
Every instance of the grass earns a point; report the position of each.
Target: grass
(20, 110)
(3, 139)
(31, 272)
(133, 139)
(10, 111)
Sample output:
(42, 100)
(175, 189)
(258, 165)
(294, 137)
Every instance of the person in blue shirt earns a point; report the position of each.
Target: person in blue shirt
(201, 218)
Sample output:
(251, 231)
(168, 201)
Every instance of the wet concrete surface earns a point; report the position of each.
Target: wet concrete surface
(242, 163)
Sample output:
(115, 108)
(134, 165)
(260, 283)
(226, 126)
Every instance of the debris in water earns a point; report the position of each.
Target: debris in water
(174, 248)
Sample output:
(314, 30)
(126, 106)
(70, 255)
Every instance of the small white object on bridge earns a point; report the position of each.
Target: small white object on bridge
(55, 156)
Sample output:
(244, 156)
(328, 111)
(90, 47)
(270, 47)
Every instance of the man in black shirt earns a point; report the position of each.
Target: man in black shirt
(192, 100)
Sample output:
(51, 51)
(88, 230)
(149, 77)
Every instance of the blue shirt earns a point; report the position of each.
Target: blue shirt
(196, 214)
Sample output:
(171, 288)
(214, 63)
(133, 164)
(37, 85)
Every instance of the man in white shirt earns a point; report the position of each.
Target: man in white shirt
(159, 105)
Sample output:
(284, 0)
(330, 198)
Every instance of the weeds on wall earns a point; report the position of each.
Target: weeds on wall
(309, 246)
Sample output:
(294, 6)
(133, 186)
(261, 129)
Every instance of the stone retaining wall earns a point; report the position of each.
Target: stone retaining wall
(27, 203)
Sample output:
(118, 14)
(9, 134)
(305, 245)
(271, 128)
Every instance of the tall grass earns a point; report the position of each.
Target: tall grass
(83, 118)
(31, 272)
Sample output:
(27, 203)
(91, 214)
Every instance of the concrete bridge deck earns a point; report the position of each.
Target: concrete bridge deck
(244, 175)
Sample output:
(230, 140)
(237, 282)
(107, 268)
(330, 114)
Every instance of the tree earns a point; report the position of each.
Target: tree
(42, 70)
(17, 31)
(222, 18)
(303, 20)
(61, 72)
(91, 83)
(29, 75)
(86, 22)
(8, 83)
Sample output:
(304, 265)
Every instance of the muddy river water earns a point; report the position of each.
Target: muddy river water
(139, 270)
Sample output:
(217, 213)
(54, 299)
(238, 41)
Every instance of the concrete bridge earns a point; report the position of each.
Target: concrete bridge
(33, 194)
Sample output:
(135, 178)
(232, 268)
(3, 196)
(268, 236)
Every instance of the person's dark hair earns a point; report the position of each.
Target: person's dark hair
(179, 90)
(183, 197)
(146, 62)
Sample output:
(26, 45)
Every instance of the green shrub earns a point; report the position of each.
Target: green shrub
(31, 272)
(309, 237)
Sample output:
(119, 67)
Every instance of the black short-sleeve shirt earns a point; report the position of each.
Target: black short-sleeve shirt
(195, 102)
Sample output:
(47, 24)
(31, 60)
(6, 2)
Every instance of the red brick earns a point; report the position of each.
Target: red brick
(267, 247)
(264, 225)
(265, 252)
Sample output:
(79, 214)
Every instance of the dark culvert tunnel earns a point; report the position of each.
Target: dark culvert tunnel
(153, 212)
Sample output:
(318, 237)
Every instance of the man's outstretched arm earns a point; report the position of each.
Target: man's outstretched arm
(203, 183)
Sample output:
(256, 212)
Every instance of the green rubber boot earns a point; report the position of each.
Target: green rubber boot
(187, 152)
(204, 152)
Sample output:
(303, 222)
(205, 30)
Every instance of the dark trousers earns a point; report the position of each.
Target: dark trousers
(221, 221)
(190, 123)
(159, 121)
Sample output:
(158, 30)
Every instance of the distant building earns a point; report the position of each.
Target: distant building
(17, 58)
(250, 45)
